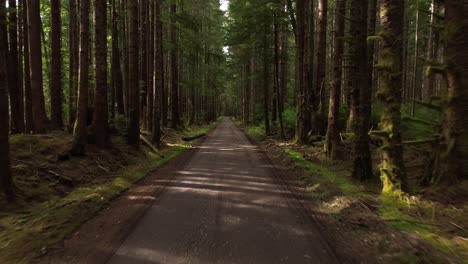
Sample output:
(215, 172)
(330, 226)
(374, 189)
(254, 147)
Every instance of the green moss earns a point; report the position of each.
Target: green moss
(392, 212)
(255, 132)
(325, 176)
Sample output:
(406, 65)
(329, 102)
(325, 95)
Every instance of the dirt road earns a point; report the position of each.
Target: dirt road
(224, 205)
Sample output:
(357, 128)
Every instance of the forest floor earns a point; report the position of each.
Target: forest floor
(425, 226)
(56, 193)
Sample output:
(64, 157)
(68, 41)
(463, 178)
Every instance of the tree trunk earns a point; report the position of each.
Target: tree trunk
(278, 82)
(303, 111)
(414, 82)
(143, 67)
(332, 140)
(158, 73)
(35, 59)
(392, 171)
(16, 91)
(117, 78)
(266, 79)
(80, 130)
(362, 168)
(450, 165)
(6, 185)
(134, 97)
(73, 42)
(253, 68)
(29, 127)
(371, 20)
(100, 113)
(320, 77)
(432, 47)
(174, 70)
(56, 66)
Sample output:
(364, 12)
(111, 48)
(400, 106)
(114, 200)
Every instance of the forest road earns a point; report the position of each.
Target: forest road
(224, 205)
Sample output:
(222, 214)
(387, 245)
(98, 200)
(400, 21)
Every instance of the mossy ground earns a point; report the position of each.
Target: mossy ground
(426, 222)
(43, 216)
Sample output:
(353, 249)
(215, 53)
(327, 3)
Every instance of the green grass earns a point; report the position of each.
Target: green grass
(26, 234)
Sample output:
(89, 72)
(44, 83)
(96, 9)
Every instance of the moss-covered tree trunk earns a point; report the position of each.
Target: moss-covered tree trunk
(332, 139)
(362, 168)
(451, 165)
(392, 170)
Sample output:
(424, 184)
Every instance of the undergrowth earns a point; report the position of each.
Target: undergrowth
(26, 233)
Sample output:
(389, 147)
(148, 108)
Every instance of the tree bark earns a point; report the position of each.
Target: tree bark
(134, 98)
(174, 70)
(35, 59)
(158, 74)
(320, 77)
(16, 91)
(29, 127)
(117, 78)
(6, 185)
(55, 82)
(392, 171)
(99, 127)
(332, 140)
(362, 168)
(73, 42)
(80, 132)
(450, 166)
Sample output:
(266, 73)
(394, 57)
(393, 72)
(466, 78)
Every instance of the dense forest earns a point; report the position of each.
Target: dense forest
(379, 85)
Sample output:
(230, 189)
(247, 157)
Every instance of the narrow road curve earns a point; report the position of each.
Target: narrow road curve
(224, 206)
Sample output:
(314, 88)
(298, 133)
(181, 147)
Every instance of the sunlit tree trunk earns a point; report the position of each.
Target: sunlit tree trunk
(392, 170)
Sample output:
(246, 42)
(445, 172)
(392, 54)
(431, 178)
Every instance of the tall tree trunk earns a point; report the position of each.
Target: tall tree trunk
(266, 79)
(320, 77)
(21, 49)
(392, 171)
(100, 113)
(158, 73)
(278, 82)
(450, 165)
(414, 82)
(174, 70)
(16, 91)
(143, 67)
(29, 127)
(6, 185)
(73, 42)
(371, 20)
(284, 63)
(117, 78)
(303, 111)
(80, 132)
(332, 140)
(253, 68)
(151, 49)
(56, 65)
(432, 47)
(134, 98)
(362, 168)
(35, 59)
